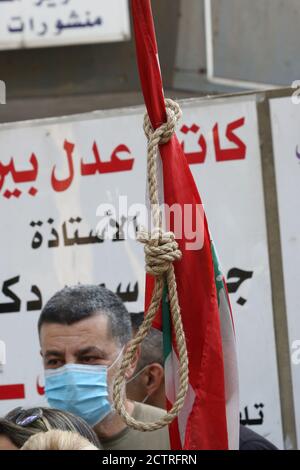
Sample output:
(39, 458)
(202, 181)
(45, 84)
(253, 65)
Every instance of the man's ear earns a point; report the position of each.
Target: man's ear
(132, 368)
(155, 376)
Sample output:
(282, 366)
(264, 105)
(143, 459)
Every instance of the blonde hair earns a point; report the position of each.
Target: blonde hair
(58, 440)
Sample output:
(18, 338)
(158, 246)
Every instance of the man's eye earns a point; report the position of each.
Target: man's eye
(90, 359)
(53, 363)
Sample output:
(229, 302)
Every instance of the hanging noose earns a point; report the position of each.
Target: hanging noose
(161, 250)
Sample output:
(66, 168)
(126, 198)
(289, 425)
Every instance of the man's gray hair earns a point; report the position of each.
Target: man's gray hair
(152, 345)
(73, 304)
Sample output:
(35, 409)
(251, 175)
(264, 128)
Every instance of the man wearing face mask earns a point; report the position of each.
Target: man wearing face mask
(83, 332)
(147, 385)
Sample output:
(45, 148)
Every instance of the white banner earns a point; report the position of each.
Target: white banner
(285, 118)
(37, 23)
(54, 174)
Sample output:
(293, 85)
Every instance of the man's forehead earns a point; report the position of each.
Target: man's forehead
(93, 331)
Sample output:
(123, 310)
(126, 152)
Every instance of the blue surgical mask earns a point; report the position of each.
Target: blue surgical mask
(80, 389)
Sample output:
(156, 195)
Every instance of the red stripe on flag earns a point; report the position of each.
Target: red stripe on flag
(12, 392)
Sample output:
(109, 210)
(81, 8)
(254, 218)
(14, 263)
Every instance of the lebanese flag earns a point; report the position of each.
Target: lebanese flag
(210, 416)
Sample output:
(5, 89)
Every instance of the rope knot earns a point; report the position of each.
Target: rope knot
(163, 133)
(161, 250)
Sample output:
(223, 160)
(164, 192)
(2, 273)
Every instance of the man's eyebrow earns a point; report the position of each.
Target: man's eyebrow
(53, 353)
(91, 350)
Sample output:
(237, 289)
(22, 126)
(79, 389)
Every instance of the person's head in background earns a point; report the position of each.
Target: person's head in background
(58, 440)
(12, 437)
(20, 424)
(83, 332)
(147, 383)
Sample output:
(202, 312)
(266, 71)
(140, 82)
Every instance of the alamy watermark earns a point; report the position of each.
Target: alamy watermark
(2, 353)
(2, 92)
(296, 95)
(123, 221)
(296, 352)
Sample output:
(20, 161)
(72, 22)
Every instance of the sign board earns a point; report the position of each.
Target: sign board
(285, 118)
(60, 179)
(38, 23)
